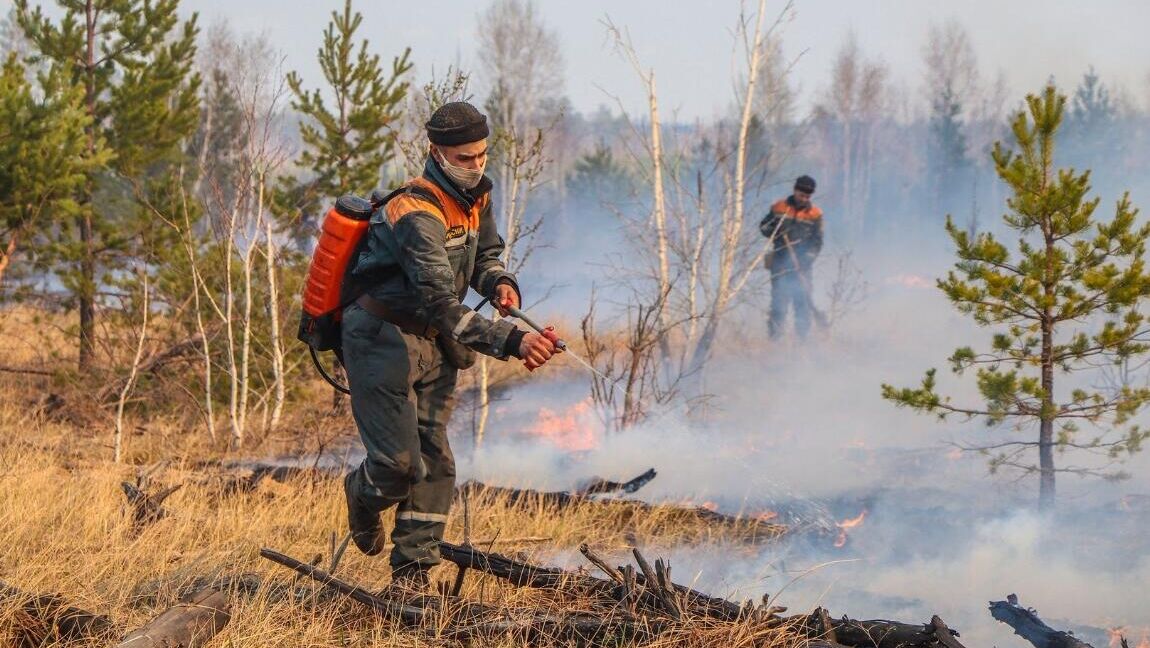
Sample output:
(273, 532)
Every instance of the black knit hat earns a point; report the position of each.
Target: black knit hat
(457, 123)
(805, 184)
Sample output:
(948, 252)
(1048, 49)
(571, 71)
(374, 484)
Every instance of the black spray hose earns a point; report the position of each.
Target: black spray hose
(323, 372)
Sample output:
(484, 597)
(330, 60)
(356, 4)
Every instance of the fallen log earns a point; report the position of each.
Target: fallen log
(892, 634)
(598, 486)
(188, 624)
(48, 619)
(1027, 625)
(456, 618)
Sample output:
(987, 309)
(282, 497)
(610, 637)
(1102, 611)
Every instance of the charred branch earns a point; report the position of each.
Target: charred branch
(888, 634)
(599, 486)
(1027, 625)
(522, 574)
(457, 618)
(625, 587)
(697, 603)
(651, 592)
(146, 509)
(26, 370)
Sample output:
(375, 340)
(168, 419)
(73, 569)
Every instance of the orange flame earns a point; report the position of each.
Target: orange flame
(574, 429)
(1115, 636)
(848, 523)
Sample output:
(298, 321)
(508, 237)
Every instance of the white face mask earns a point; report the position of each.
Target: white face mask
(465, 178)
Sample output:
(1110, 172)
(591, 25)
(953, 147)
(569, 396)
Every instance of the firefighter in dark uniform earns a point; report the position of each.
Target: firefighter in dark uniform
(794, 225)
(406, 338)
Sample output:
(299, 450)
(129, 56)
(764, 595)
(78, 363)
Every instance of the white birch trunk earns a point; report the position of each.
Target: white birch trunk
(274, 341)
(484, 401)
(243, 383)
(205, 344)
(732, 217)
(659, 212)
(118, 436)
(229, 324)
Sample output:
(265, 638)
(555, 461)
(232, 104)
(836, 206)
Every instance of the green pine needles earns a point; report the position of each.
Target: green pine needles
(1067, 300)
(349, 140)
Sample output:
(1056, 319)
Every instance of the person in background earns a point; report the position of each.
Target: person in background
(794, 225)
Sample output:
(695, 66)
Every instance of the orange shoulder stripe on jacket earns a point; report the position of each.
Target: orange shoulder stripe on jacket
(455, 214)
(404, 204)
(809, 214)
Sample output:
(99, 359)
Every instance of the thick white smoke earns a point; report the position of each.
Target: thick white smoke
(802, 429)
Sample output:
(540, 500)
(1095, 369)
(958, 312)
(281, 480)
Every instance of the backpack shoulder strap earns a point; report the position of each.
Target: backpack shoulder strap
(378, 201)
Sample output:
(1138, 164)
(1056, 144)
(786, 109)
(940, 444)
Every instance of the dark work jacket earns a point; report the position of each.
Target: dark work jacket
(420, 260)
(799, 229)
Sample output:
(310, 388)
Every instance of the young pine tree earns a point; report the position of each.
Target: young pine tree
(132, 61)
(1070, 299)
(44, 155)
(346, 144)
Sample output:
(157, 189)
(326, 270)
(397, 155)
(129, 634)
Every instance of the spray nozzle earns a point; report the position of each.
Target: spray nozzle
(547, 332)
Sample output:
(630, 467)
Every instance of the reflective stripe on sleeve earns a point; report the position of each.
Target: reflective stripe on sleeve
(463, 321)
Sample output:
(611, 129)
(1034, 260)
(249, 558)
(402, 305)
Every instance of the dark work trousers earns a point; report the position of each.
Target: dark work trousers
(402, 395)
(789, 288)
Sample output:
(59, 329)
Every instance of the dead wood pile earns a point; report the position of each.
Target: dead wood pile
(632, 605)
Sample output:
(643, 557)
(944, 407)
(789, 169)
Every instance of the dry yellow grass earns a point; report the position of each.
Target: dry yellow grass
(65, 526)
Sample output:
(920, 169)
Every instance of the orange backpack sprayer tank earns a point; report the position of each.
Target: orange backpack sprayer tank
(323, 299)
(327, 290)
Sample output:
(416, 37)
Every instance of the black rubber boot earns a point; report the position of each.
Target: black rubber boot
(366, 529)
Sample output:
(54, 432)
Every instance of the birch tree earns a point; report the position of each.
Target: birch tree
(703, 251)
(953, 89)
(236, 277)
(522, 65)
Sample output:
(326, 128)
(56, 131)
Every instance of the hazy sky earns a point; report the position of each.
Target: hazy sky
(690, 46)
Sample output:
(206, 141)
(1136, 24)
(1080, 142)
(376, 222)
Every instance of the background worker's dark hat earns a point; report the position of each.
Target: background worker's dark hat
(805, 184)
